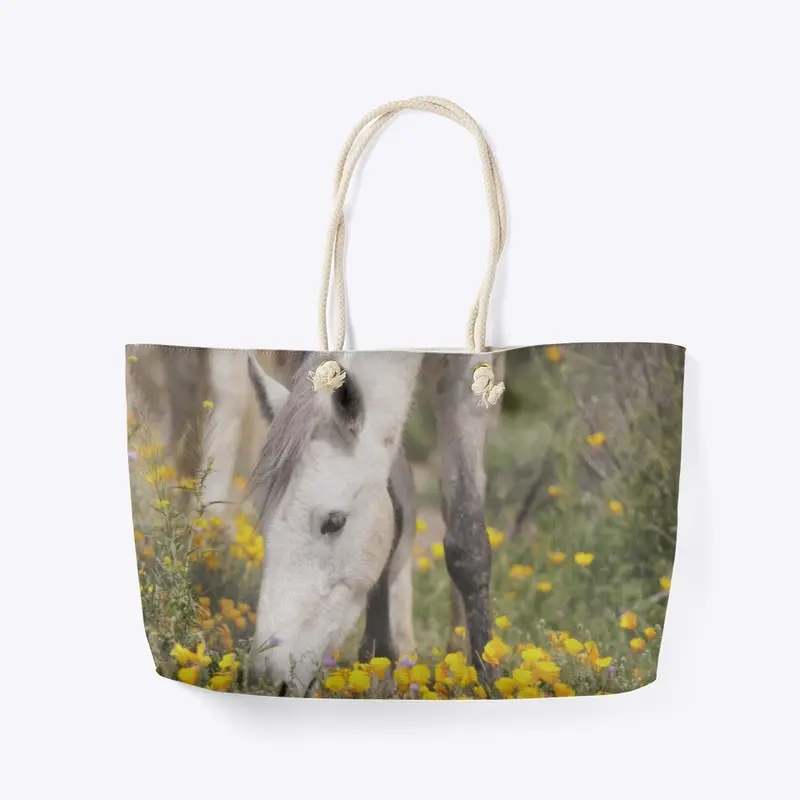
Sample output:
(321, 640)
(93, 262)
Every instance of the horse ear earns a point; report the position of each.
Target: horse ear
(270, 394)
(348, 404)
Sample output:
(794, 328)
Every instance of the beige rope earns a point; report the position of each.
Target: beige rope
(355, 145)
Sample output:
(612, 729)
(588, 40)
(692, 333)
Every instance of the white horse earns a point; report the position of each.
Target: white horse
(333, 488)
(336, 509)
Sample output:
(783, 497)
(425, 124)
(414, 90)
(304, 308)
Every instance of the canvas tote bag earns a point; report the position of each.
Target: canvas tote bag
(489, 523)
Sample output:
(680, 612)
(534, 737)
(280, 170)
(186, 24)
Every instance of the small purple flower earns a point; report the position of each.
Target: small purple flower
(611, 671)
(407, 663)
(132, 456)
(274, 640)
(329, 662)
(414, 687)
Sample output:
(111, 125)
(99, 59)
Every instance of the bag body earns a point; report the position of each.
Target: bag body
(489, 523)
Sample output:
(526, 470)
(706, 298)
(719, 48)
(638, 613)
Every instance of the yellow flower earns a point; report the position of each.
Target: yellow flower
(358, 681)
(208, 404)
(460, 631)
(240, 482)
(573, 646)
(132, 359)
(544, 586)
(424, 563)
(186, 483)
(520, 571)
(441, 674)
(547, 671)
(422, 526)
(553, 353)
(189, 675)
(556, 557)
(148, 552)
(161, 503)
(159, 474)
(495, 650)
(594, 656)
(402, 677)
(469, 677)
(529, 692)
(615, 507)
(479, 692)
(665, 583)
(524, 677)
(650, 633)
(421, 674)
(506, 686)
(200, 657)
(504, 623)
(495, 537)
(225, 638)
(562, 690)
(555, 491)
(181, 654)
(638, 645)
(213, 564)
(456, 663)
(221, 682)
(335, 684)
(596, 439)
(379, 666)
(437, 550)
(628, 621)
(533, 654)
(584, 559)
(229, 662)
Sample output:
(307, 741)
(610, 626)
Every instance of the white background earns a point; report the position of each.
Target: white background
(165, 176)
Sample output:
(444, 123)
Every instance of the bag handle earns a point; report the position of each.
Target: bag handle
(355, 145)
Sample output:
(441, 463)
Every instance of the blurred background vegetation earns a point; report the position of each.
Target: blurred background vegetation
(583, 458)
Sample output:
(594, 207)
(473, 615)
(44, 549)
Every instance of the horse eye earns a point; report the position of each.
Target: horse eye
(333, 523)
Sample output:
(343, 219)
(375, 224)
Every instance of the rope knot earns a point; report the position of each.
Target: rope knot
(484, 386)
(327, 377)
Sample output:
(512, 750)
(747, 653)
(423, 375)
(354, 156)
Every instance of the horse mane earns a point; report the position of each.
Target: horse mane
(290, 433)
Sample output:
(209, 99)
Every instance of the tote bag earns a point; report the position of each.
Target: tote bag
(486, 523)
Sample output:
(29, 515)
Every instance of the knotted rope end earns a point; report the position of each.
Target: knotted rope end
(484, 386)
(327, 377)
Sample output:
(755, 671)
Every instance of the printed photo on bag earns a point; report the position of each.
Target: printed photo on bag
(404, 525)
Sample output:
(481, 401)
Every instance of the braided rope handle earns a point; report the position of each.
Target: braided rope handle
(356, 143)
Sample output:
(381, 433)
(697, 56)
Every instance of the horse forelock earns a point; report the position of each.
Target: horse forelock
(301, 420)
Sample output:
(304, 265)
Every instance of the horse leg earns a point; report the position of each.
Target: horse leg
(377, 639)
(461, 427)
(389, 628)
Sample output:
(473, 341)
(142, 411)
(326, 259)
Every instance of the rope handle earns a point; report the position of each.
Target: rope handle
(356, 143)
